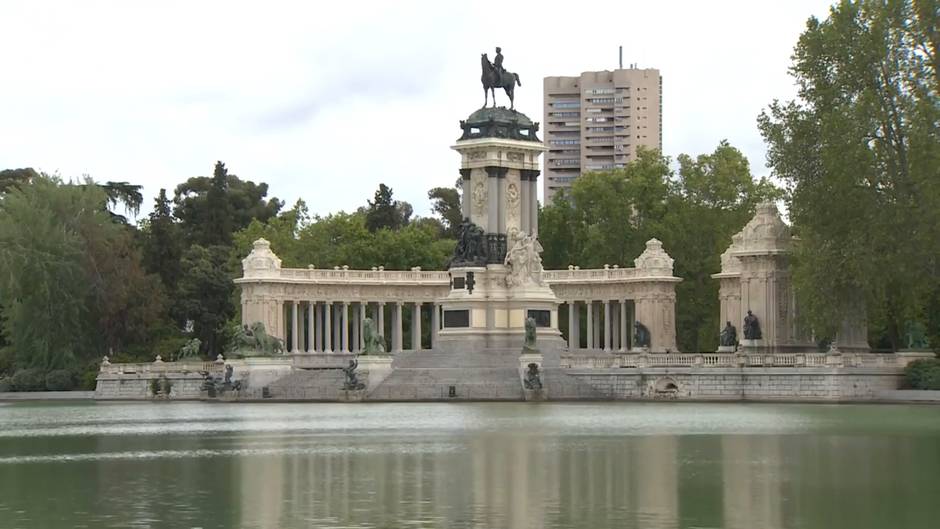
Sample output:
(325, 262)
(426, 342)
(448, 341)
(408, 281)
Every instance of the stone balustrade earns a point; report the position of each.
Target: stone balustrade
(725, 360)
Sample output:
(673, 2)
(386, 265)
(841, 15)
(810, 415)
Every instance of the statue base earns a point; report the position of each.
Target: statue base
(640, 350)
(353, 395)
(482, 311)
(726, 349)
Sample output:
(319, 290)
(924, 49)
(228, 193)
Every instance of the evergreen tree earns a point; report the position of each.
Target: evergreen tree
(385, 212)
(162, 246)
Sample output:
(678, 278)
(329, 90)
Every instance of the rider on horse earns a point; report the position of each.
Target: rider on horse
(498, 63)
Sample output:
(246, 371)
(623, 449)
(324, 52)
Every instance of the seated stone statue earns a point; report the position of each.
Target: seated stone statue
(728, 336)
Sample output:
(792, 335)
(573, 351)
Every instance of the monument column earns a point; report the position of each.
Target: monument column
(397, 331)
(465, 191)
(328, 327)
(354, 319)
(624, 337)
(589, 307)
(380, 318)
(317, 327)
(416, 327)
(572, 322)
(295, 326)
(607, 326)
(310, 337)
(362, 323)
(435, 323)
(344, 330)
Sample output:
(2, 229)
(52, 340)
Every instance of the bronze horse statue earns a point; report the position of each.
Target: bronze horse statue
(492, 80)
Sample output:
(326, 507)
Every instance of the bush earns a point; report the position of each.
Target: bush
(60, 380)
(29, 380)
(923, 374)
(89, 380)
(6, 384)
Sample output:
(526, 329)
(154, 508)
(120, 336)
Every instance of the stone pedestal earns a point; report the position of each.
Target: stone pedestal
(376, 368)
(726, 348)
(493, 292)
(532, 394)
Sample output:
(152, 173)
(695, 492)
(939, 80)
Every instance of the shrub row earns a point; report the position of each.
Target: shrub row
(923, 374)
(35, 379)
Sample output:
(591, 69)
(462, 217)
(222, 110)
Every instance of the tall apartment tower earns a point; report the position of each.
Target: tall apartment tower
(596, 121)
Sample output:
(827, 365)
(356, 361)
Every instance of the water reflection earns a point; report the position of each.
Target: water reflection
(481, 466)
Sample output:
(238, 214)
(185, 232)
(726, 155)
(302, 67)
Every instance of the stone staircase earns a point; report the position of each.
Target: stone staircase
(313, 384)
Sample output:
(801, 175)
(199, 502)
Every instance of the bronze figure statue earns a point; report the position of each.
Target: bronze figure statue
(532, 379)
(495, 76)
(751, 327)
(641, 335)
(728, 336)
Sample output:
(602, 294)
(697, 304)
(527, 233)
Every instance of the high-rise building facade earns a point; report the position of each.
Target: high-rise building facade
(597, 120)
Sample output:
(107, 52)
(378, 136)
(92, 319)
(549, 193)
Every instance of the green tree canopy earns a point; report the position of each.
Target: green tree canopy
(210, 209)
(859, 151)
(386, 212)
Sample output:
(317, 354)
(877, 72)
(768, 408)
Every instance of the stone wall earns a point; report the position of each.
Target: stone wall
(809, 384)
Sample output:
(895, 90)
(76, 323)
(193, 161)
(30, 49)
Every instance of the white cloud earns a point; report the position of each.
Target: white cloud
(325, 100)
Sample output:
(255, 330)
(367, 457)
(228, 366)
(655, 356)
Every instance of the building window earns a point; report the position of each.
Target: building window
(566, 104)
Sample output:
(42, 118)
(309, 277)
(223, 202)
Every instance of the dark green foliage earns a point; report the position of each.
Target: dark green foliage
(859, 151)
(923, 374)
(162, 244)
(205, 294)
(209, 210)
(10, 178)
(445, 201)
(6, 384)
(608, 216)
(385, 212)
(31, 379)
(60, 380)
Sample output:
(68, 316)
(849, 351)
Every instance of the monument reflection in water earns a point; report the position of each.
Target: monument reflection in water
(469, 465)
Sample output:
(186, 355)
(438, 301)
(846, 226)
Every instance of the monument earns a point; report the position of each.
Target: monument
(496, 275)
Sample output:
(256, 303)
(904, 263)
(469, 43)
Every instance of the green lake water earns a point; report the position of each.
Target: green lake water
(624, 465)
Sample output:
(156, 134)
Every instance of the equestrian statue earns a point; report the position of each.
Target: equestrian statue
(495, 76)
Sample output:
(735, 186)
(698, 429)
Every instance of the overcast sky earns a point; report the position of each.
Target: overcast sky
(323, 101)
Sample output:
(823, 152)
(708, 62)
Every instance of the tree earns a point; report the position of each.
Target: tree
(205, 294)
(608, 216)
(445, 201)
(859, 151)
(385, 212)
(233, 205)
(42, 284)
(162, 246)
(10, 178)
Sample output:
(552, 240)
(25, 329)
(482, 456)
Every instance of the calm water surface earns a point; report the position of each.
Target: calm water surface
(184, 465)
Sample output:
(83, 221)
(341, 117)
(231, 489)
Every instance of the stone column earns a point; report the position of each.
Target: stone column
(572, 322)
(624, 337)
(416, 327)
(310, 343)
(362, 324)
(614, 325)
(589, 307)
(328, 327)
(354, 341)
(435, 323)
(492, 195)
(317, 327)
(295, 327)
(607, 326)
(465, 194)
(397, 330)
(380, 318)
(524, 201)
(534, 205)
(344, 327)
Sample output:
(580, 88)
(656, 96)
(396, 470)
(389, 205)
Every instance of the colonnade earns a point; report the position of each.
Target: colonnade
(608, 324)
(338, 326)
